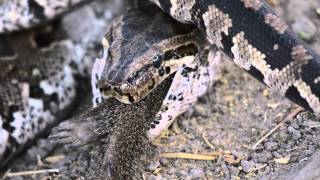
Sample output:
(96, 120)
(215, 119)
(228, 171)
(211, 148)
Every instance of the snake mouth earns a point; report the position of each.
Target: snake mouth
(117, 92)
(130, 91)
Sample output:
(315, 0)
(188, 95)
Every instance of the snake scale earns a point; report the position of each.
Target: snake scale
(258, 42)
(275, 55)
(42, 70)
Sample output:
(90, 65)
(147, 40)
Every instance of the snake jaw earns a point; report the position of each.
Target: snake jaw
(122, 92)
(127, 86)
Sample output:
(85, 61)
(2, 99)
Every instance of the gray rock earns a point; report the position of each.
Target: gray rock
(277, 155)
(311, 170)
(294, 133)
(247, 165)
(153, 177)
(264, 157)
(234, 171)
(171, 171)
(164, 161)
(197, 172)
(305, 28)
(154, 165)
(271, 145)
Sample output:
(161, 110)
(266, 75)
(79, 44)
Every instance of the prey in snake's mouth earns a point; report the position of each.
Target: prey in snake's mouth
(135, 61)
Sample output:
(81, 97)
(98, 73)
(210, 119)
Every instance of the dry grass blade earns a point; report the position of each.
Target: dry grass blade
(29, 173)
(282, 160)
(289, 117)
(207, 141)
(257, 168)
(203, 157)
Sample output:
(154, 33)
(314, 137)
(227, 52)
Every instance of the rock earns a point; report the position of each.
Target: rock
(305, 28)
(271, 145)
(234, 171)
(197, 172)
(182, 173)
(171, 171)
(298, 8)
(264, 157)
(164, 161)
(276, 155)
(34, 152)
(294, 133)
(153, 177)
(154, 165)
(311, 170)
(247, 165)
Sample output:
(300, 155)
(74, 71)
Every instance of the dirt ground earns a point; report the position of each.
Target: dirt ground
(225, 127)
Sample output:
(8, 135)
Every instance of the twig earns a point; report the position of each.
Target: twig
(257, 168)
(176, 129)
(314, 126)
(207, 141)
(28, 173)
(189, 156)
(289, 117)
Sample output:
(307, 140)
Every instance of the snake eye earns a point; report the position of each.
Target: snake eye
(157, 60)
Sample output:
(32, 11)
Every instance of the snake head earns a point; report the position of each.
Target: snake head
(131, 79)
(132, 73)
(140, 55)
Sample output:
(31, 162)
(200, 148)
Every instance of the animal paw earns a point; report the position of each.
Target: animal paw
(72, 134)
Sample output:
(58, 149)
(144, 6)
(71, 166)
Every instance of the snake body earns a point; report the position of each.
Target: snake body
(43, 71)
(31, 96)
(258, 41)
(23, 14)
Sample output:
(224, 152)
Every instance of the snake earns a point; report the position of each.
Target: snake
(43, 71)
(129, 74)
(129, 69)
(259, 42)
(124, 139)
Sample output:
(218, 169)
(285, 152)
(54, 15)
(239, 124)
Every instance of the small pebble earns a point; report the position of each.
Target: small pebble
(34, 152)
(296, 126)
(271, 145)
(171, 171)
(247, 165)
(234, 170)
(305, 28)
(164, 161)
(295, 134)
(182, 173)
(264, 157)
(154, 165)
(276, 155)
(153, 177)
(197, 172)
